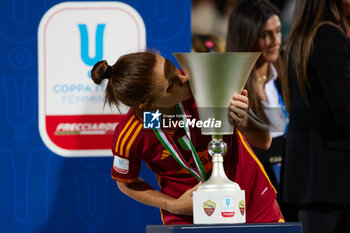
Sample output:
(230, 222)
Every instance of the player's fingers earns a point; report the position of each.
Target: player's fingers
(239, 104)
(244, 92)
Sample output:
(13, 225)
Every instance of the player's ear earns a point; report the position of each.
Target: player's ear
(182, 77)
(147, 106)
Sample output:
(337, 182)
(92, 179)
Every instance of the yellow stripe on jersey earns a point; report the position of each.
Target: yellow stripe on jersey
(165, 154)
(120, 135)
(254, 157)
(121, 151)
(132, 140)
(161, 216)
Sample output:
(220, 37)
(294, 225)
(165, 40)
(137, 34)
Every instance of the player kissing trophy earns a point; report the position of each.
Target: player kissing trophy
(214, 78)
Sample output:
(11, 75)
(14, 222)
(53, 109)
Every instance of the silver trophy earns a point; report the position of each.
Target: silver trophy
(214, 78)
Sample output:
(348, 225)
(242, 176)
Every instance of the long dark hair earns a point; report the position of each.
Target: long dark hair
(246, 25)
(308, 17)
(129, 79)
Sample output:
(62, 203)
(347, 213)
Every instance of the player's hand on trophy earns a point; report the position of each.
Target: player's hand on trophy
(238, 109)
(184, 204)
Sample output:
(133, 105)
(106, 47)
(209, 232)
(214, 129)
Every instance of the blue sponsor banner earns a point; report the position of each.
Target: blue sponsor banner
(45, 192)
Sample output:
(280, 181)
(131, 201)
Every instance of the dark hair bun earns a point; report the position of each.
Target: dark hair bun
(100, 71)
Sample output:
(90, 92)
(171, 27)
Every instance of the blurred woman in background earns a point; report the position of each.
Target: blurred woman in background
(317, 159)
(254, 26)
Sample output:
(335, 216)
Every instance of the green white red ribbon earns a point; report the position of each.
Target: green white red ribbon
(170, 145)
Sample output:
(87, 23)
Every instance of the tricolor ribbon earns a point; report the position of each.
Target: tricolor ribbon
(170, 145)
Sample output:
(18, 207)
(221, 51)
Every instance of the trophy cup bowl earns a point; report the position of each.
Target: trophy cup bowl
(214, 78)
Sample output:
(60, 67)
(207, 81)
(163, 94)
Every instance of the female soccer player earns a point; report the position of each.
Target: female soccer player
(147, 82)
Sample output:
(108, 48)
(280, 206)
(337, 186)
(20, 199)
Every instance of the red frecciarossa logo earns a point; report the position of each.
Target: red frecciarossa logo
(88, 128)
(82, 132)
(227, 214)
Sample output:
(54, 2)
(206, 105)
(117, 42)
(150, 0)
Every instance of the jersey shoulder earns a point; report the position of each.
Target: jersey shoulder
(126, 135)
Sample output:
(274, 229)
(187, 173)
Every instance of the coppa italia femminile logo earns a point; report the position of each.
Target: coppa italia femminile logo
(152, 120)
(72, 37)
(227, 207)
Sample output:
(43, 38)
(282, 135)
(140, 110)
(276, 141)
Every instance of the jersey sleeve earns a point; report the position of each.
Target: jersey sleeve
(125, 147)
(259, 191)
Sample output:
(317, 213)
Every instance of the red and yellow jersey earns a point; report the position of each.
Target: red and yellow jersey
(132, 144)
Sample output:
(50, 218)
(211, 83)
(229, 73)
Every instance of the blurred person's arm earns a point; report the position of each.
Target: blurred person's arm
(142, 192)
(332, 63)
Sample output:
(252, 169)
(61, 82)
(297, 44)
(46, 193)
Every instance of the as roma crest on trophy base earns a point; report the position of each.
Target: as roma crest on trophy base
(209, 207)
(242, 207)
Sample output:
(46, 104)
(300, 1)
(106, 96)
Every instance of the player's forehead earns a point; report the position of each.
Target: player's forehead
(159, 79)
(164, 67)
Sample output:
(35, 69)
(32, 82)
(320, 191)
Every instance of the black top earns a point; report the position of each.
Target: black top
(317, 159)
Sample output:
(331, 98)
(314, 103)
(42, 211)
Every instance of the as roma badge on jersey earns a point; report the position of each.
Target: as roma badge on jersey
(242, 207)
(209, 207)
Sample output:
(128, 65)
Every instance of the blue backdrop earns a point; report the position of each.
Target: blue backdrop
(44, 192)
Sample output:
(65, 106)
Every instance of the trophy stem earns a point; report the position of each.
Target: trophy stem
(218, 171)
(217, 145)
(216, 137)
(217, 148)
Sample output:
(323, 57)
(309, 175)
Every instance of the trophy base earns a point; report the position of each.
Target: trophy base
(221, 206)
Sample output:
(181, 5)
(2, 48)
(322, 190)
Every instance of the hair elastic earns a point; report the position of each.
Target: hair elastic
(108, 72)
